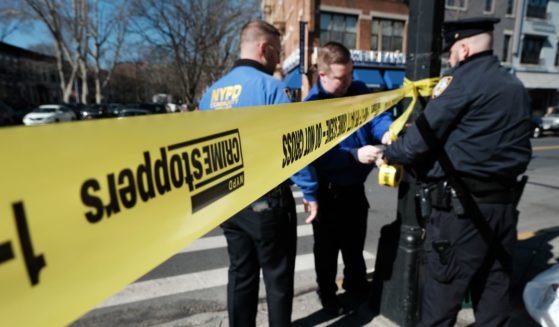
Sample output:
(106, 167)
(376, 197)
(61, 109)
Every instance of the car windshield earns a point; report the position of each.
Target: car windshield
(45, 110)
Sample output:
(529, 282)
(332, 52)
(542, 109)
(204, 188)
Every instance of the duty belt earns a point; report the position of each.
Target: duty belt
(491, 190)
(279, 196)
(440, 194)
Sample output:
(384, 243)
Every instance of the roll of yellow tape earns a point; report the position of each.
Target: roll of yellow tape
(390, 175)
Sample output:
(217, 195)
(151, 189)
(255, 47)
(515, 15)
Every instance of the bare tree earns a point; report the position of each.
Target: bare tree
(201, 35)
(108, 24)
(78, 23)
(83, 30)
(65, 22)
(12, 18)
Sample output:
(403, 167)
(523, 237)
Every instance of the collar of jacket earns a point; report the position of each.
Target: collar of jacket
(251, 63)
(476, 56)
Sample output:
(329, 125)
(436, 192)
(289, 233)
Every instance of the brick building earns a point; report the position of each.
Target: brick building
(375, 31)
(27, 78)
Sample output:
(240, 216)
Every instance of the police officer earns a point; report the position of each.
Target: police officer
(479, 113)
(341, 223)
(262, 235)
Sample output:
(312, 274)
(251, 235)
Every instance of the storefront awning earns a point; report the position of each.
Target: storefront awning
(539, 80)
(394, 78)
(293, 79)
(371, 77)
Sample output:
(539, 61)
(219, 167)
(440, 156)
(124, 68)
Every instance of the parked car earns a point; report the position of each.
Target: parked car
(550, 122)
(8, 116)
(153, 108)
(537, 129)
(113, 109)
(127, 112)
(50, 113)
(172, 107)
(76, 108)
(94, 111)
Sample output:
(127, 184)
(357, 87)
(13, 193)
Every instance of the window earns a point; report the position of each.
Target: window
(488, 6)
(510, 7)
(531, 48)
(557, 55)
(387, 35)
(506, 47)
(456, 4)
(537, 8)
(338, 27)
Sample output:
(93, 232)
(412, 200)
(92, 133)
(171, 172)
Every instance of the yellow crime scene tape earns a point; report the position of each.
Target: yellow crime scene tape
(391, 175)
(88, 207)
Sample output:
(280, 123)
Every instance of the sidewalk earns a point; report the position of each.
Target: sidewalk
(535, 252)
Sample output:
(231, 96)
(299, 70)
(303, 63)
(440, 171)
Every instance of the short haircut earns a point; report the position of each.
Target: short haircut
(332, 53)
(255, 30)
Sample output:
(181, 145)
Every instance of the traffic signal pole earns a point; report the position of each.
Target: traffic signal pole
(398, 270)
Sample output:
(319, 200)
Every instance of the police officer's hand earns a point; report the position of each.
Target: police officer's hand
(368, 154)
(312, 208)
(386, 139)
(380, 161)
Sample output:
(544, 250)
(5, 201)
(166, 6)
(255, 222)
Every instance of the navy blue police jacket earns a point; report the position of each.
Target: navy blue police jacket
(481, 113)
(248, 84)
(340, 165)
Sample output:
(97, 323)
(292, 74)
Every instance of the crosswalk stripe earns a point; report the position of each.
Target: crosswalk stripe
(297, 194)
(215, 242)
(155, 288)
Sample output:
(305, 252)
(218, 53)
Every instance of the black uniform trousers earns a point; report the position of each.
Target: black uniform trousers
(262, 236)
(341, 225)
(458, 260)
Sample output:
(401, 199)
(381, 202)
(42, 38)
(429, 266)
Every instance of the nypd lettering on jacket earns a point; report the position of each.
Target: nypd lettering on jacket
(244, 86)
(226, 97)
(211, 167)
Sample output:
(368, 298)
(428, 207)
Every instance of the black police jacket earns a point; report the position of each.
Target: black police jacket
(481, 113)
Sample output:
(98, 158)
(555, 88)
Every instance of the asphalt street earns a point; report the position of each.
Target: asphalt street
(189, 288)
